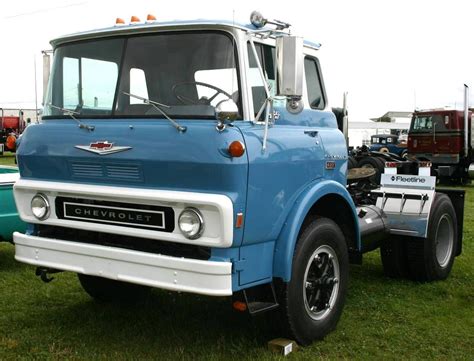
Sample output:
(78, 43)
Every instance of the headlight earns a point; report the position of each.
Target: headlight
(191, 223)
(40, 206)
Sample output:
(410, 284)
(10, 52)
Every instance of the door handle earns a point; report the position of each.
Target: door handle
(311, 133)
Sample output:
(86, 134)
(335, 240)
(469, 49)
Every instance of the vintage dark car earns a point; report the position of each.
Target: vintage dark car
(388, 143)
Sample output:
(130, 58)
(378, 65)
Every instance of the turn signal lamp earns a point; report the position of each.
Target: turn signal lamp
(236, 149)
(240, 220)
(119, 21)
(134, 19)
(150, 18)
(239, 306)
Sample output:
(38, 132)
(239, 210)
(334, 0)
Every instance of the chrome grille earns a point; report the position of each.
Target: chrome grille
(87, 170)
(127, 172)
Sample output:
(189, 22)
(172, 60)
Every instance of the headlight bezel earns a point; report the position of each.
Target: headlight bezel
(196, 213)
(44, 199)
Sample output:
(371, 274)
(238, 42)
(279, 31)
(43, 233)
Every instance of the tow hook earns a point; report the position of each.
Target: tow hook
(44, 272)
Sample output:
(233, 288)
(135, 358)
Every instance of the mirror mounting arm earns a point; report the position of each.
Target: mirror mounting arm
(268, 104)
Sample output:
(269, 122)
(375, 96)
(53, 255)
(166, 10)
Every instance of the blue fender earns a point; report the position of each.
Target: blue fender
(286, 241)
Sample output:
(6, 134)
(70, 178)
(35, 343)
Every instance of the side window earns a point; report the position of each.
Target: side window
(71, 83)
(138, 85)
(266, 57)
(313, 84)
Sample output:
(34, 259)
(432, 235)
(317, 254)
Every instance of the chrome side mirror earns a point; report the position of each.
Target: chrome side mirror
(290, 65)
(226, 112)
(290, 68)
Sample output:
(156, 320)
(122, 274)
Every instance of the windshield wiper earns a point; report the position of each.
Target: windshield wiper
(71, 114)
(158, 106)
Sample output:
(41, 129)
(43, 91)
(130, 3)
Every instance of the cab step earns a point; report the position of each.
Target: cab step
(260, 298)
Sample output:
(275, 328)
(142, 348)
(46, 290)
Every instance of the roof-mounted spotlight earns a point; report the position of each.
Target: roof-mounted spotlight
(259, 21)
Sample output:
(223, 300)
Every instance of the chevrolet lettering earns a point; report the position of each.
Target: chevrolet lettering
(116, 215)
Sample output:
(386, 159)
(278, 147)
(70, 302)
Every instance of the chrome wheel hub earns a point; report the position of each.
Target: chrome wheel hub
(321, 282)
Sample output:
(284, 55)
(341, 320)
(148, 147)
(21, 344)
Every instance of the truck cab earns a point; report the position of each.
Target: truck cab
(440, 137)
(131, 178)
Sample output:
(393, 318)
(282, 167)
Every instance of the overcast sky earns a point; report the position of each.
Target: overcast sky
(390, 55)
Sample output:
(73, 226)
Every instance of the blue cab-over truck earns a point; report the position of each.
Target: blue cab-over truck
(203, 157)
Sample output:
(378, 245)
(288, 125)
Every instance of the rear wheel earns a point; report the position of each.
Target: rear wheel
(375, 163)
(107, 290)
(432, 258)
(314, 298)
(351, 163)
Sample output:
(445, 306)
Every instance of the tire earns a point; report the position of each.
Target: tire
(375, 163)
(313, 300)
(107, 290)
(351, 163)
(432, 258)
(393, 253)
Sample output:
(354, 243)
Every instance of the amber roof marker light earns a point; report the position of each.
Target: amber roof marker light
(150, 18)
(134, 19)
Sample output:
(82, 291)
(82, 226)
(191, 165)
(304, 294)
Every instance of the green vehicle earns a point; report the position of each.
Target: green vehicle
(9, 220)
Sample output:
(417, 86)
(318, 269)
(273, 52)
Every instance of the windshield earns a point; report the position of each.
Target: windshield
(426, 123)
(189, 72)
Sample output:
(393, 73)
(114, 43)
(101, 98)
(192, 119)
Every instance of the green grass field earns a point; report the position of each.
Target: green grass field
(383, 318)
(7, 158)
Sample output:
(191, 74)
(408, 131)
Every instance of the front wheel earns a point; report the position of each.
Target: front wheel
(314, 298)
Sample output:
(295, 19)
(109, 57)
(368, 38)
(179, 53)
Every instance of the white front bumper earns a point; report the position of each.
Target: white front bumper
(171, 273)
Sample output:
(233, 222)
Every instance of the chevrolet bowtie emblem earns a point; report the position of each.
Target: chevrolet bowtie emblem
(102, 147)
